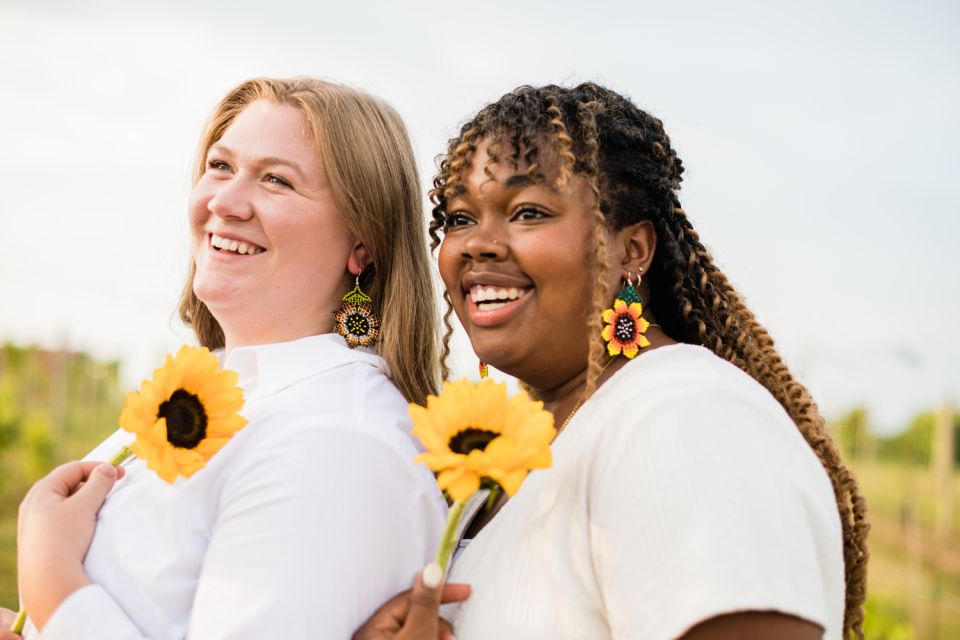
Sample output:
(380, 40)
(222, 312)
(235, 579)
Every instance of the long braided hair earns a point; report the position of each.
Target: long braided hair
(635, 175)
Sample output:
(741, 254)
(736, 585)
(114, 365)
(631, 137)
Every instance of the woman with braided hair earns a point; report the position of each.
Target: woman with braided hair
(694, 490)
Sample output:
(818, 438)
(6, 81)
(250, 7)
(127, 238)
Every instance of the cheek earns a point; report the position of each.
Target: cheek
(447, 263)
(311, 243)
(197, 209)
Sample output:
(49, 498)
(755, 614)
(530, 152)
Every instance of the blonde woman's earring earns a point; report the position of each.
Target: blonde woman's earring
(355, 318)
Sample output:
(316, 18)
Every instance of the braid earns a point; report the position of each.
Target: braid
(586, 115)
(447, 334)
(635, 174)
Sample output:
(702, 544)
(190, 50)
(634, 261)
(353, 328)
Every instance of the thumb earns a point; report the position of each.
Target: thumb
(98, 484)
(425, 602)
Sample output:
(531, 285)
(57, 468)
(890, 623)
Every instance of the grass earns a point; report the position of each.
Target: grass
(913, 579)
(8, 559)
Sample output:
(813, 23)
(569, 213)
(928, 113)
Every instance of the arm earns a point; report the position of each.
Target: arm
(755, 624)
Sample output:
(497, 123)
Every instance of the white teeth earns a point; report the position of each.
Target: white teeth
(234, 246)
(492, 295)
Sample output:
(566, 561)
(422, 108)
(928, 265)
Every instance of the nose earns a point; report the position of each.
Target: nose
(231, 200)
(485, 242)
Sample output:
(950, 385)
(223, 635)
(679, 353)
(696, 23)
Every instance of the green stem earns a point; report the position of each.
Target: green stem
(447, 541)
(17, 626)
(21, 619)
(121, 457)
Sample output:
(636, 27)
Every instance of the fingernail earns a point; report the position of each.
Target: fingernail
(432, 575)
(108, 470)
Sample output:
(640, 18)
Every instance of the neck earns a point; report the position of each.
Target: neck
(565, 398)
(271, 334)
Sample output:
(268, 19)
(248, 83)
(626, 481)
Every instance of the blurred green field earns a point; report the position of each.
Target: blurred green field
(914, 579)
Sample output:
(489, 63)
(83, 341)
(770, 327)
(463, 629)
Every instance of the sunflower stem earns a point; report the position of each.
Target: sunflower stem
(448, 541)
(121, 457)
(17, 626)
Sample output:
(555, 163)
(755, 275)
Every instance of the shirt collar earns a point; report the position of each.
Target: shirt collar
(266, 369)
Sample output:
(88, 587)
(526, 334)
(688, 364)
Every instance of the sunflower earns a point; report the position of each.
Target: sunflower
(472, 433)
(625, 328)
(185, 414)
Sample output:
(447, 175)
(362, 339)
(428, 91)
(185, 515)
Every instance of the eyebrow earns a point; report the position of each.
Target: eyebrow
(262, 161)
(517, 181)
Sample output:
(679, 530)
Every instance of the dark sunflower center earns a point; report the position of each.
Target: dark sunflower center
(625, 328)
(357, 324)
(469, 439)
(186, 419)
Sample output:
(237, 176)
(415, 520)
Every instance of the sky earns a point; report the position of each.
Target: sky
(820, 141)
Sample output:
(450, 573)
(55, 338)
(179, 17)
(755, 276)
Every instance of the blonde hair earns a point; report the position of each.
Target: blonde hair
(370, 165)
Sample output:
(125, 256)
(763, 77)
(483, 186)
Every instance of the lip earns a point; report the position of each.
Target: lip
(493, 317)
(493, 279)
(480, 317)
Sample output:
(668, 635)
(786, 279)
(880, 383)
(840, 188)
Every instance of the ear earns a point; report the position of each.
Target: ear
(635, 246)
(359, 259)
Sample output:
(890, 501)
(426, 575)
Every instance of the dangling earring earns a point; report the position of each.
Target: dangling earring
(625, 326)
(484, 370)
(355, 319)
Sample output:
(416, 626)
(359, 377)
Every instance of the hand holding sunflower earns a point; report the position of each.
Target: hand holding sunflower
(475, 435)
(181, 418)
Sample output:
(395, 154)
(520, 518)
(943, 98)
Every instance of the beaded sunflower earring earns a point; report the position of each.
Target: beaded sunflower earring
(625, 326)
(355, 319)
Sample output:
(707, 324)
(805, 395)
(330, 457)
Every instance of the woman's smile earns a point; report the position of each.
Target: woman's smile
(489, 306)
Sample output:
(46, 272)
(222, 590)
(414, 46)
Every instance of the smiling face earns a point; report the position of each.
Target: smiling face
(270, 248)
(515, 260)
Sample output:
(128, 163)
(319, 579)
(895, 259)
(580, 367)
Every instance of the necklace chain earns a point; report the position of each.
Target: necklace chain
(581, 400)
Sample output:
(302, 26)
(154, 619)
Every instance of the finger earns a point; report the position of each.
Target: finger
(454, 593)
(94, 491)
(425, 602)
(67, 478)
(6, 618)
(446, 630)
(387, 619)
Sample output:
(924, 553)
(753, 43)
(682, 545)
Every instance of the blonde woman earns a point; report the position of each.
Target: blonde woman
(314, 512)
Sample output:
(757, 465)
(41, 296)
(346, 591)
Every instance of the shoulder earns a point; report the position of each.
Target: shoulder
(685, 392)
(355, 401)
(698, 476)
(691, 428)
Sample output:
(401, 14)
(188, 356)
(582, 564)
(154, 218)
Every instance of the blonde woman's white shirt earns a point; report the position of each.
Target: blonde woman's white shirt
(680, 491)
(305, 522)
